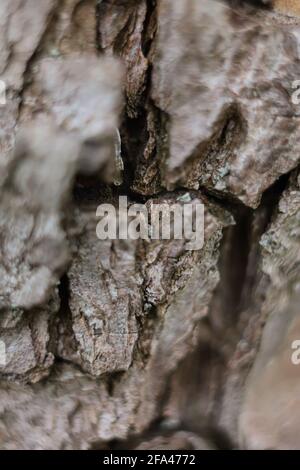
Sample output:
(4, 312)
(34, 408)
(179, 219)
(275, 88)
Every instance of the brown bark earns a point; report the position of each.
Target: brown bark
(149, 345)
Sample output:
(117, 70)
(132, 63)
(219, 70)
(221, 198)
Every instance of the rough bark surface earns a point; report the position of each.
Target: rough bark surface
(137, 344)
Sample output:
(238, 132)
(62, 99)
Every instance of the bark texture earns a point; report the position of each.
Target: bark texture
(130, 344)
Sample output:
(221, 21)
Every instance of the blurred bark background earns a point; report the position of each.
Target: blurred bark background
(121, 344)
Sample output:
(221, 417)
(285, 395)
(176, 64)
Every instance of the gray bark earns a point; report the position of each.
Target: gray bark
(136, 344)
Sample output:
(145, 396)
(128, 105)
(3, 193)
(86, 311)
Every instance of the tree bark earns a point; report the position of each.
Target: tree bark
(128, 343)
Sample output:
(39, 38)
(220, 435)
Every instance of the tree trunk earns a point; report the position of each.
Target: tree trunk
(138, 344)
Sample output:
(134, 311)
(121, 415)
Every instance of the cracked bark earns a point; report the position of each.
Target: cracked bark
(119, 344)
